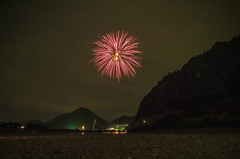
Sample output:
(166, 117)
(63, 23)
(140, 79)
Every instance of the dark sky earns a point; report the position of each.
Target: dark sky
(46, 47)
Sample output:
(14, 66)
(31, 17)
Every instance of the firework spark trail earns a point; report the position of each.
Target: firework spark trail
(115, 54)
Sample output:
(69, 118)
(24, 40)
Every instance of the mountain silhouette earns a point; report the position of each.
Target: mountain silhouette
(206, 90)
(76, 119)
(25, 122)
(124, 120)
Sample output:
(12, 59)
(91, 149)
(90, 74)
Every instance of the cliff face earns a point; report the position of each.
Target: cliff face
(209, 84)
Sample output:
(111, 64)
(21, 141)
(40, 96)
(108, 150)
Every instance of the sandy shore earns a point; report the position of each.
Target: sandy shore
(126, 146)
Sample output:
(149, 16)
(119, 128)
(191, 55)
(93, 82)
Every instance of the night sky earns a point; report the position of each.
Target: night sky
(45, 51)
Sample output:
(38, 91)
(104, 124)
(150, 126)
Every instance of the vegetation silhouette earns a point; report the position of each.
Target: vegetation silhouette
(10, 125)
(204, 93)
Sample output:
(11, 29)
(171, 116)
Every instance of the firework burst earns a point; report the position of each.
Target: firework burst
(115, 54)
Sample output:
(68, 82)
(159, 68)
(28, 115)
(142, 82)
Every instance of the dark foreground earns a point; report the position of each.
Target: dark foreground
(126, 146)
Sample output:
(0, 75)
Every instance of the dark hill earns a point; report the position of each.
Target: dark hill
(124, 120)
(205, 90)
(78, 118)
(25, 122)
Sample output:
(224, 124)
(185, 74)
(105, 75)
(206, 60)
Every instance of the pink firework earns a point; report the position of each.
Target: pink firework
(116, 55)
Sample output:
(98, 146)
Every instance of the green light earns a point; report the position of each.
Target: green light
(144, 121)
(71, 126)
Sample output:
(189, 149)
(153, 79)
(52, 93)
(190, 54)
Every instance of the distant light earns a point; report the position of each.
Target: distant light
(144, 121)
(82, 127)
(82, 133)
(22, 127)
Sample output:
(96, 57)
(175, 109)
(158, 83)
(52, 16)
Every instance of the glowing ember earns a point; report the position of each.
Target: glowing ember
(116, 55)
